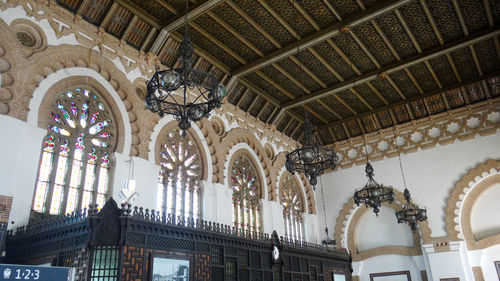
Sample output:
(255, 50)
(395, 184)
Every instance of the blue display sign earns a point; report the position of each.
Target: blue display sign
(13, 272)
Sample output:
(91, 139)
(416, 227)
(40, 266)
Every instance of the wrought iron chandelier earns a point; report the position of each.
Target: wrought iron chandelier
(311, 159)
(410, 213)
(373, 194)
(201, 92)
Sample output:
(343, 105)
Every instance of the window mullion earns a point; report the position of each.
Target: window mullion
(67, 177)
(52, 178)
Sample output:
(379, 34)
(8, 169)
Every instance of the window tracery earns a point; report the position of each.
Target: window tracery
(74, 166)
(293, 206)
(179, 184)
(246, 194)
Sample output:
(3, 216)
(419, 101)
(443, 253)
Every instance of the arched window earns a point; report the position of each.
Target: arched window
(246, 194)
(179, 191)
(74, 166)
(291, 200)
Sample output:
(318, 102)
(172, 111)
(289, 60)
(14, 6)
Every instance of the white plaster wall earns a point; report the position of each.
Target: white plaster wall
(388, 263)
(311, 226)
(373, 231)
(145, 174)
(448, 265)
(20, 149)
(272, 217)
(488, 258)
(485, 214)
(217, 203)
(430, 175)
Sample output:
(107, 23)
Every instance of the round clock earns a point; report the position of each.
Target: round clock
(276, 253)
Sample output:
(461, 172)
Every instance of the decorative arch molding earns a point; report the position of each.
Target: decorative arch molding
(462, 197)
(465, 220)
(65, 61)
(166, 124)
(44, 97)
(348, 221)
(240, 136)
(454, 203)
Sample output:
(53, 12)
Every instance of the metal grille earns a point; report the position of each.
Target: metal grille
(231, 272)
(255, 259)
(218, 273)
(295, 264)
(217, 255)
(303, 265)
(136, 238)
(230, 251)
(243, 258)
(277, 273)
(105, 263)
(268, 276)
(255, 275)
(244, 275)
(202, 247)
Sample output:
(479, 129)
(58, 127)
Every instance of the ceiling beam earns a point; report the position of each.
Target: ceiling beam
(235, 33)
(343, 56)
(385, 39)
(489, 14)
(217, 42)
(334, 11)
(361, 98)
(308, 18)
(364, 48)
(414, 98)
(396, 66)
(408, 31)
(167, 6)
(202, 53)
(253, 23)
(414, 81)
(377, 92)
(140, 12)
(315, 38)
(453, 67)
(430, 19)
(433, 74)
(281, 20)
(259, 92)
(291, 78)
(193, 13)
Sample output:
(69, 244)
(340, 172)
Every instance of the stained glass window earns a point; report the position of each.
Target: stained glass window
(291, 200)
(74, 166)
(246, 194)
(179, 186)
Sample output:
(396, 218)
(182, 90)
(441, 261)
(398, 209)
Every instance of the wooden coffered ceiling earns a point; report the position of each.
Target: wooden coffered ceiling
(355, 66)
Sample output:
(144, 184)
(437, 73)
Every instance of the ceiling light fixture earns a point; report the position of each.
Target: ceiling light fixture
(410, 213)
(163, 97)
(373, 194)
(310, 159)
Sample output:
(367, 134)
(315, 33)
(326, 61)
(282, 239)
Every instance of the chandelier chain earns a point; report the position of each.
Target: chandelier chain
(399, 156)
(322, 198)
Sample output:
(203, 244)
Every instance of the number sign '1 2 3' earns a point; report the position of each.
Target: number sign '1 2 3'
(14, 272)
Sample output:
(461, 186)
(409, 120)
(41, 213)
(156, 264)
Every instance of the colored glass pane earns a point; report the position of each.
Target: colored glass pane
(81, 173)
(291, 200)
(246, 194)
(180, 176)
